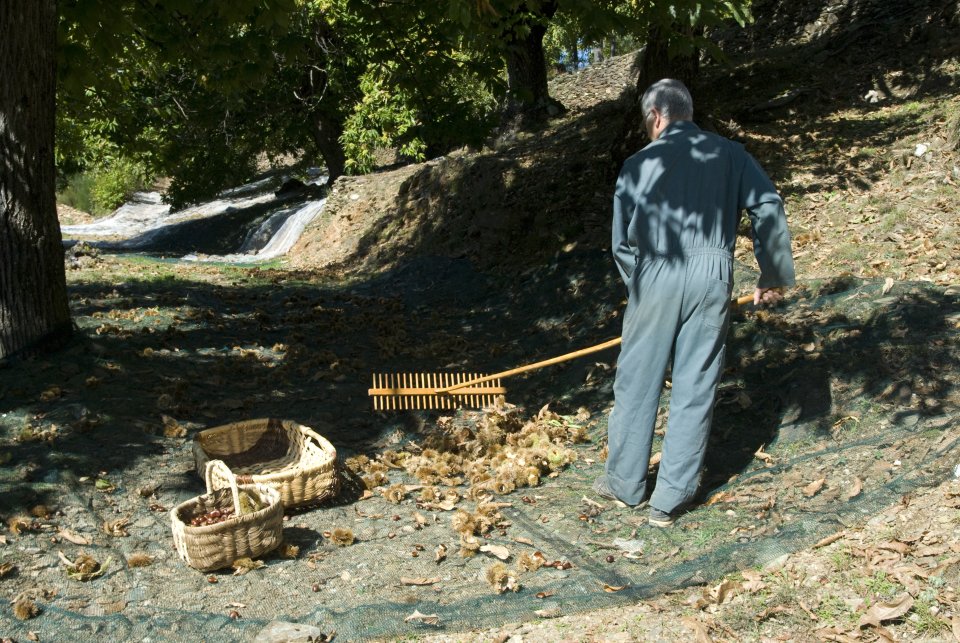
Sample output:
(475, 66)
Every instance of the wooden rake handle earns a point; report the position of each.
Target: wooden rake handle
(746, 299)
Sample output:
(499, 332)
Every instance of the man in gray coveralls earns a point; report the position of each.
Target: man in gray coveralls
(675, 214)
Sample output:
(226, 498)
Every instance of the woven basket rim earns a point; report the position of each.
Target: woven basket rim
(329, 451)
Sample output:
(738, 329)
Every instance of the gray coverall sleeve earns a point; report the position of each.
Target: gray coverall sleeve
(623, 209)
(771, 239)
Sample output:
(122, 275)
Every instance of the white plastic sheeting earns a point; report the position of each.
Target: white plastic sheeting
(138, 223)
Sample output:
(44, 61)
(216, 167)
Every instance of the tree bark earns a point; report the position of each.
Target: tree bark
(527, 94)
(33, 289)
(326, 136)
(655, 64)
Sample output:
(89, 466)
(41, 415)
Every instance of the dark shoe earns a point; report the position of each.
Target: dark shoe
(660, 518)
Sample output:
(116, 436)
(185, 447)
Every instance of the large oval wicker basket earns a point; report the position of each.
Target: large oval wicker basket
(218, 545)
(293, 459)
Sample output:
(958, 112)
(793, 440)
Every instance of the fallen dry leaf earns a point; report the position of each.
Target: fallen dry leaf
(725, 591)
(887, 286)
(419, 581)
(832, 538)
(814, 487)
(699, 628)
(76, 539)
(426, 619)
(546, 594)
(440, 554)
(763, 455)
(887, 610)
(614, 588)
(6, 568)
(837, 634)
(855, 488)
(550, 612)
(499, 551)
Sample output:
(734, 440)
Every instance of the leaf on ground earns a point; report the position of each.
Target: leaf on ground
(753, 581)
(499, 551)
(814, 487)
(855, 488)
(614, 588)
(104, 485)
(700, 630)
(419, 581)
(549, 612)
(426, 619)
(895, 545)
(887, 286)
(725, 591)
(6, 568)
(832, 538)
(887, 610)
(76, 539)
(763, 455)
(837, 634)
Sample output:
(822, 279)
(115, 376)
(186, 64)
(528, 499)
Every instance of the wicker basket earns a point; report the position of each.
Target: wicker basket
(216, 546)
(291, 458)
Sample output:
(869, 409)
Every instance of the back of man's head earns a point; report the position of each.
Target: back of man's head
(671, 98)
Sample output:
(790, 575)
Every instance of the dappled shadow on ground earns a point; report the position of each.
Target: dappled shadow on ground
(157, 359)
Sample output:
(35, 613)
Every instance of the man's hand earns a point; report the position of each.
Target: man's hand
(767, 296)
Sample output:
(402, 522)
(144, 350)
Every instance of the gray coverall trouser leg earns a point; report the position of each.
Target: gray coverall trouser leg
(678, 305)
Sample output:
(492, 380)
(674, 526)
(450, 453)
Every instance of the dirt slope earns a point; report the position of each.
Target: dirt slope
(853, 109)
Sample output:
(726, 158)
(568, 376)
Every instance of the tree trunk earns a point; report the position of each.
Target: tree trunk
(575, 54)
(655, 64)
(326, 136)
(33, 289)
(527, 95)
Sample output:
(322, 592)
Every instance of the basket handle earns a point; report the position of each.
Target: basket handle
(219, 468)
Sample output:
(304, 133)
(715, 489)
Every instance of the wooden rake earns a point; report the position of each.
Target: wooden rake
(401, 391)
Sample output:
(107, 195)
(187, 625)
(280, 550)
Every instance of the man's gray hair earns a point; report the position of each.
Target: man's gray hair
(671, 98)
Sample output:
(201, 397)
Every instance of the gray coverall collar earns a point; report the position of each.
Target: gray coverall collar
(677, 127)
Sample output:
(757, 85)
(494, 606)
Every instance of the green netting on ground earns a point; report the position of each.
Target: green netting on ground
(852, 384)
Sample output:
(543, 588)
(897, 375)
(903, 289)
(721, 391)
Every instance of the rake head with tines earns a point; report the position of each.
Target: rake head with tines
(398, 391)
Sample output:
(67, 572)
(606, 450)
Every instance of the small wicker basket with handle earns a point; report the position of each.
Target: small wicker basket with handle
(245, 535)
(293, 459)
